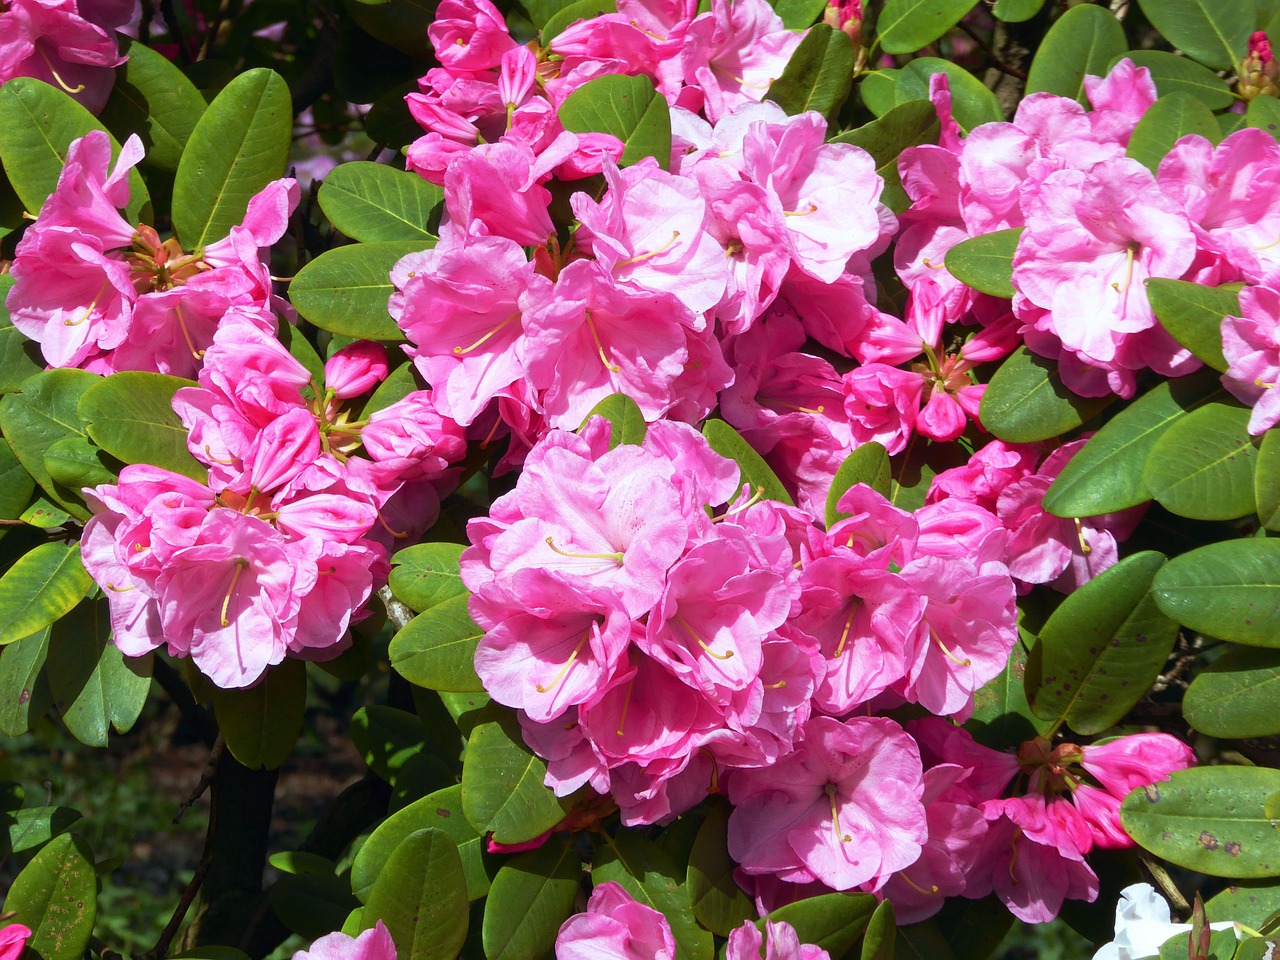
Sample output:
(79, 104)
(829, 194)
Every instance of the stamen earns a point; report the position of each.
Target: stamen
(844, 635)
(933, 887)
(209, 456)
(1259, 382)
(714, 785)
(755, 498)
(626, 706)
(966, 662)
(931, 266)
(813, 208)
(675, 235)
(1013, 860)
(1128, 275)
(702, 643)
(459, 351)
(241, 563)
(497, 422)
(770, 402)
(114, 589)
(559, 677)
(616, 557)
(1084, 547)
(611, 367)
(88, 311)
(56, 76)
(775, 686)
(647, 33)
(398, 534)
(830, 789)
(182, 325)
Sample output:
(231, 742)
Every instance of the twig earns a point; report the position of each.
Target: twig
(170, 931)
(995, 59)
(1161, 877)
(206, 778)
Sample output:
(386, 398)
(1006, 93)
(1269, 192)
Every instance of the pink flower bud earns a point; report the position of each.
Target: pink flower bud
(1259, 75)
(355, 369)
(845, 15)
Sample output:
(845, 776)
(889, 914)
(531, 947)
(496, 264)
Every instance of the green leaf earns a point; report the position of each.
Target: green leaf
(906, 125)
(1106, 474)
(437, 649)
(1192, 313)
(973, 928)
(130, 415)
(798, 14)
(1264, 114)
(907, 25)
(56, 895)
(1202, 466)
(299, 862)
(75, 463)
(372, 201)
(627, 107)
(868, 464)
(1167, 121)
(727, 442)
(262, 723)
(421, 896)
(441, 810)
(1222, 946)
(33, 827)
(652, 878)
(833, 921)
(531, 896)
(19, 357)
(42, 414)
(972, 103)
(1235, 696)
(1101, 649)
(1266, 480)
(44, 585)
(1214, 33)
(386, 738)
(16, 485)
(1208, 819)
(1016, 11)
(238, 146)
(37, 125)
(818, 76)
(94, 686)
(154, 99)
(571, 14)
(295, 341)
(1025, 402)
(625, 417)
(502, 782)
(923, 941)
(1229, 590)
(1173, 74)
(1002, 716)
(1083, 41)
(878, 941)
(427, 574)
(24, 693)
(45, 515)
(345, 290)
(542, 12)
(879, 89)
(1249, 901)
(717, 901)
(307, 903)
(985, 263)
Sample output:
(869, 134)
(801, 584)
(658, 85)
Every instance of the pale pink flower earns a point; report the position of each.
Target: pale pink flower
(373, 944)
(615, 927)
(1251, 346)
(781, 943)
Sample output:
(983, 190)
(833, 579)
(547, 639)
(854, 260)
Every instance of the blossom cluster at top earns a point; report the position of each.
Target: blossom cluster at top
(70, 44)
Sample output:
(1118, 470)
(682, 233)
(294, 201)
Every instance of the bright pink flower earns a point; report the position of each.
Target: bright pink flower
(1126, 763)
(13, 940)
(54, 41)
(373, 944)
(882, 404)
(988, 472)
(469, 35)
(355, 369)
(495, 190)
(1251, 345)
(615, 927)
(782, 943)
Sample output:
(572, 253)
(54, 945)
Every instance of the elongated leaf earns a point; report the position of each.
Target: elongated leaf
(869, 464)
(262, 723)
(1016, 11)
(1249, 901)
(1099, 652)
(33, 827)
(427, 574)
(1229, 590)
(24, 693)
(1026, 402)
(437, 649)
(1235, 696)
(818, 76)
(56, 896)
(41, 587)
(972, 103)
(798, 14)
(878, 90)
(74, 463)
(627, 107)
(907, 25)
(1193, 314)
(19, 357)
(906, 125)
(1216, 34)
(1208, 819)
(421, 895)
(345, 290)
(986, 262)
(307, 903)
(1167, 121)
(16, 485)
(717, 901)
(727, 442)
(1084, 40)
(571, 14)
(623, 415)
(1173, 74)
(1106, 475)
(130, 415)
(1202, 466)
(238, 146)
(532, 895)
(152, 98)
(878, 941)
(1264, 114)
(502, 782)
(833, 921)
(386, 738)
(1266, 480)
(371, 202)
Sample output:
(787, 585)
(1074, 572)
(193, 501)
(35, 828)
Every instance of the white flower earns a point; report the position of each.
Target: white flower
(1142, 925)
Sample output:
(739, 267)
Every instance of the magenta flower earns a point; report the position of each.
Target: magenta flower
(615, 927)
(54, 41)
(13, 940)
(1251, 345)
(782, 943)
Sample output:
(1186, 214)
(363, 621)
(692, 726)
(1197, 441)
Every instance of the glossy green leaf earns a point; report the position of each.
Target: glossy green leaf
(1208, 819)
(261, 723)
(33, 827)
(973, 928)
(399, 384)
(879, 90)
(985, 263)
(1167, 121)
(1025, 401)
(75, 463)
(56, 896)
(1202, 466)
(717, 901)
(238, 146)
(1229, 590)
(1235, 696)
(44, 585)
(437, 649)
(372, 201)
(542, 12)
(907, 25)
(386, 738)
(906, 125)
(972, 103)
(627, 107)
(833, 921)
(299, 862)
(624, 415)
(502, 782)
(16, 485)
(571, 14)
(130, 415)
(24, 693)
(307, 903)
(45, 515)
(19, 357)
(1266, 480)
(1192, 313)
(1016, 11)
(1174, 74)
(421, 896)
(818, 76)
(441, 810)
(1212, 32)
(345, 290)
(152, 98)
(868, 464)
(878, 940)
(1002, 716)
(1249, 901)
(798, 14)
(37, 125)
(42, 414)
(531, 896)
(427, 574)
(1083, 41)
(1106, 474)
(1229, 123)
(727, 442)
(1101, 649)
(1264, 114)
(94, 687)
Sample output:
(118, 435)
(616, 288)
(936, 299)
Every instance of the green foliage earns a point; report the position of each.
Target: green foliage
(502, 782)
(371, 202)
(421, 896)
(625, 419)
(727, 442)
(56, 896)
(1025, 401)
(130, 416)
(908, 25)
(261, 723)
(1172, 117)
(427, 574)
(1202, 466)
(1235, 696)
(1084, 40)
(986, 262)
(40, 588)
(437, 648)
(868, 464)
(818, 76)
(345, 290)
(153, 98)
(1216, 34)
(532, 895)
(906, 125)
(1229, 590)
(971, 102)
(627, 107)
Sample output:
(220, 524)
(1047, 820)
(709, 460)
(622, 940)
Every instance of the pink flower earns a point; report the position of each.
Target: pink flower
(469, 35)
(1126, 763)
(882, 404)
(1251, 345)
(782, 943)
(373, 944)
(53, 41)
(13, 940)
(615, 927)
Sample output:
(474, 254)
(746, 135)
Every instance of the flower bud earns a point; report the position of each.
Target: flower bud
(1258, 71)
(355, 368)
(845, 15)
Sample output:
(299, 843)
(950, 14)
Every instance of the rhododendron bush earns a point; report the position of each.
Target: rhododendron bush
(792, 481)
